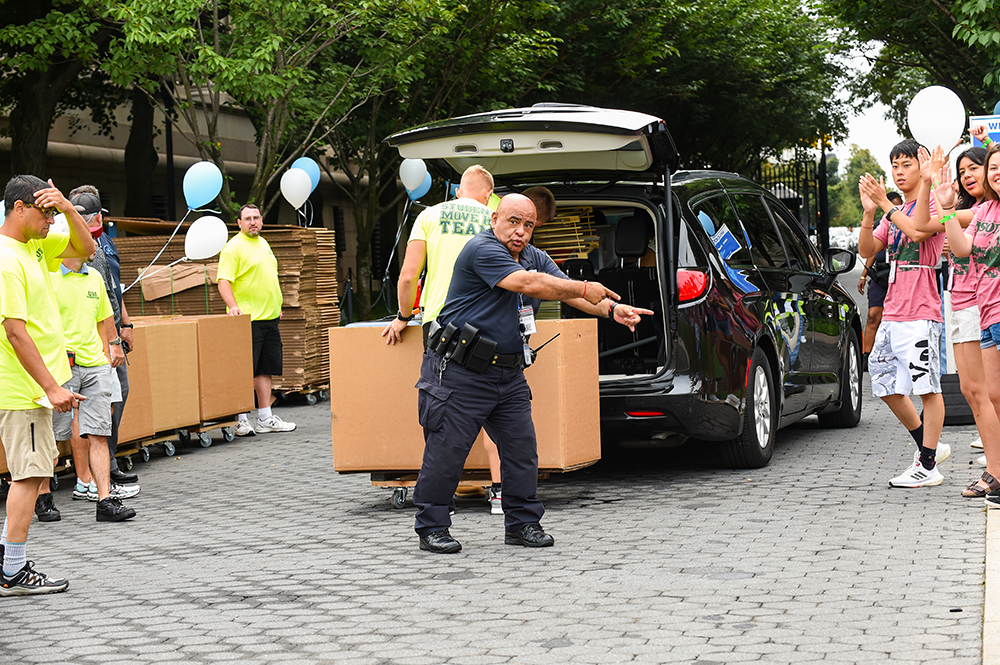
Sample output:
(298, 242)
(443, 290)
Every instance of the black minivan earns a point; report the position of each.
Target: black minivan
(751, 332)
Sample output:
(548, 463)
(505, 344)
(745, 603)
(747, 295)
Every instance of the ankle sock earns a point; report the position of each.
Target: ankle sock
(496, 487)
(14, 557)
(918, 435)
(242, 418)
(264, 413)
(927, 457)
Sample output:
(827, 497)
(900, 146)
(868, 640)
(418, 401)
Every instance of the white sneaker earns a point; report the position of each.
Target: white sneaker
(273, 424)
(494, 497)
(943, 453)
(244, 428)
(917, 476)
(978, 443)
(123, 491)
(981, 460)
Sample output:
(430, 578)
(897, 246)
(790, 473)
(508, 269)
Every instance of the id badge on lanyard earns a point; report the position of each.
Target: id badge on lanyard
(951, 275)
(892, 271)
(526, 321)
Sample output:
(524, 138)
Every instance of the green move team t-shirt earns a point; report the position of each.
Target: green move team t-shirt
(248, 264)
(83, 305)
(26, 294)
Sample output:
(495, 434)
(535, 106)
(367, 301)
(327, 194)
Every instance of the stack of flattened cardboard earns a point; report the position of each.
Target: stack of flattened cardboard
(307, 272)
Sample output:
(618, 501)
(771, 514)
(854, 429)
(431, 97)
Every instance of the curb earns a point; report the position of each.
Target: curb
(991, 608)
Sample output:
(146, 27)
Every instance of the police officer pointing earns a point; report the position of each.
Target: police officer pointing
(472, 372)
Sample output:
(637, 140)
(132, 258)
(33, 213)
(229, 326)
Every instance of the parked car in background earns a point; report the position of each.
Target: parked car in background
(751, 330)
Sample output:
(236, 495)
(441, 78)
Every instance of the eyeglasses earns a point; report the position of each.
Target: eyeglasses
(48, 212)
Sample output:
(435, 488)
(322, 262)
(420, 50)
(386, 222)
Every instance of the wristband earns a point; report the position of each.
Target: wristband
(893, 209)
(127, 325)
(945, 219)
(399, 315)
(584, 289)
(611, 308)
(987, 141)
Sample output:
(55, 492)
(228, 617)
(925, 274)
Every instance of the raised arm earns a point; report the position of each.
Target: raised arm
(960, 244)
(868, 244)
(875, 189)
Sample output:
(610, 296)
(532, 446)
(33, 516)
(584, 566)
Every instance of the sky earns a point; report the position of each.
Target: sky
(870, 130)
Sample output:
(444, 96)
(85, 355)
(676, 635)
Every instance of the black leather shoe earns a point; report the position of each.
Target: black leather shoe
(530, 536)
(112, 510)
(45, 508)
(123, 478)
(440, 542)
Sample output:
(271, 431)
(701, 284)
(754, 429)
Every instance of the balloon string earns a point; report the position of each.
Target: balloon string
(143, 273)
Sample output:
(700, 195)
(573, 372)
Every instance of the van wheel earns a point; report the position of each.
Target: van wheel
(753, 448)
(849, 413)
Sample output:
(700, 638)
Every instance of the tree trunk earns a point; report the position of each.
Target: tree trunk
(30, 121)
(140, 158)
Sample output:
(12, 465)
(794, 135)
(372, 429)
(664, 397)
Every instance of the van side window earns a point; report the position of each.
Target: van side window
(765, 245)
(795, 243)
(717, 217)
(690, 254)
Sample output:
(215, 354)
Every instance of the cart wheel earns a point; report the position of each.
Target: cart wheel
(4, 487)
(144, 451)
(324, 395)
(228, 434)
(54, 483)
(169, 448)
(311, 399)
(127, 460)
(205, 439)
(183, 435)
(399, 497)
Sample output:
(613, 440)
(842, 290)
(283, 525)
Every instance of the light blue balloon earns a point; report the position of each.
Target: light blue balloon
(202, 183)
(996, 109)
(309, 166)
(453, 190)
(424, 187)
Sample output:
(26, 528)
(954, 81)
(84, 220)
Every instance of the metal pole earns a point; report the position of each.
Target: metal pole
(823, 225)
(168, 132)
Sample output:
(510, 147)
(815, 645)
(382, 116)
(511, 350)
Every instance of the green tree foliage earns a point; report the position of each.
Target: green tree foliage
(736, 80)
(844, 199)
(915, 43)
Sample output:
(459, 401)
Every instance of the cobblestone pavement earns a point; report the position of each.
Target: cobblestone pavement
(257, 551)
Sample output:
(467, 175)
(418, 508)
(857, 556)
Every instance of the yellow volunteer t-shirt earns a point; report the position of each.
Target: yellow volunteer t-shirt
(26, 294)
(83, 304)
(248, 264)
(446, 228)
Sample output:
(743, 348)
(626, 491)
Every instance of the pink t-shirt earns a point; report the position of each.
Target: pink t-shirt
(913, 295)
(963, 279)
(985, 234)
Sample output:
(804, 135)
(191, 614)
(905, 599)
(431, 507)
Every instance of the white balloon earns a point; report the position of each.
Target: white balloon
(296, 185)
(936, 117)
(206, 238)
(412, 173)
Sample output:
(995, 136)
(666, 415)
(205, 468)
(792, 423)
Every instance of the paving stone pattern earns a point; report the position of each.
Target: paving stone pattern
(256, 551)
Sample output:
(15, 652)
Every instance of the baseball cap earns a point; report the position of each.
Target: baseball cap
(87, 204)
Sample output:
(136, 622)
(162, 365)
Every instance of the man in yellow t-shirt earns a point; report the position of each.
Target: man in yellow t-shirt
(87, 315)
(33, 363)
(248, 283)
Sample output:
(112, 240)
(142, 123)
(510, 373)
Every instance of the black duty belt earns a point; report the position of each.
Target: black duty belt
(468, 348)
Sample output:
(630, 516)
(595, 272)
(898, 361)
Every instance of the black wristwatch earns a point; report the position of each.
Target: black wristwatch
(127, 325)
(893, 209)
(399, 315)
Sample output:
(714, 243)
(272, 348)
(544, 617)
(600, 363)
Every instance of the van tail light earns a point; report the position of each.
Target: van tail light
(691, 284)
(645, 414)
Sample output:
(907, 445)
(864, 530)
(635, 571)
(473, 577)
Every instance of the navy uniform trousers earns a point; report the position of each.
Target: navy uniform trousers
(454, 406)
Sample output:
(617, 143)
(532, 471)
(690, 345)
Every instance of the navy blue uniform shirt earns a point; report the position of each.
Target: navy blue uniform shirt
(475, 298)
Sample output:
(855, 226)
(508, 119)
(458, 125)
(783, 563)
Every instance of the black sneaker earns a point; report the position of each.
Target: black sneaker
(530, 536)
(113, 510)
(45, 508)
(117, 476)
(27, 582)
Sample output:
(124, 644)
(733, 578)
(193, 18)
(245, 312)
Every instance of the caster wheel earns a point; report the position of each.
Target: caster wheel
(399, 497)
(228, 434)
(54, 483)
(144, 451)
(311, 399)
(183, 435)
(324, 395)
(204, 439)
(127, 462)
(169, 448)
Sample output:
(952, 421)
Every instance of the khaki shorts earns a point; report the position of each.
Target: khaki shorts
(28, 443)
(964, 325)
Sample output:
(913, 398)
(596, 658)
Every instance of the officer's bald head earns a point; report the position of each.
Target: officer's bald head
(514, 221)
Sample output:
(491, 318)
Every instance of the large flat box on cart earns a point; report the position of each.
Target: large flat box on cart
(172, 356)
(137, 419)
(225, 365)
(374, 404)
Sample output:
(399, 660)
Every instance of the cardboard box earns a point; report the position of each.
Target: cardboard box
(137, 419)
(225, 365)
(373, 401)
(172, 346)
(162, 281)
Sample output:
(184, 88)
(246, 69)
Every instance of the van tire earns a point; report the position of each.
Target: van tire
(752, 449)
(849, 413)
